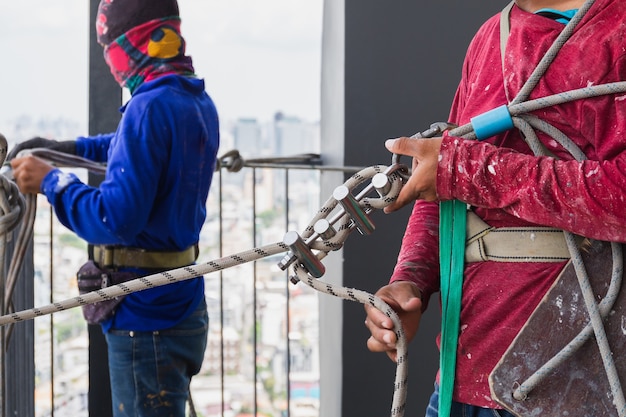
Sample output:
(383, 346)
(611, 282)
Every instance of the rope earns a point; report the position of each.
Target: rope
(233, 161)
(522, 110)
(146, 282)
(12, 208)
(552, 52)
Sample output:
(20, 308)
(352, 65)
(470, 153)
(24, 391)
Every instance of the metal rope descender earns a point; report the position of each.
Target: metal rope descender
(352, 213)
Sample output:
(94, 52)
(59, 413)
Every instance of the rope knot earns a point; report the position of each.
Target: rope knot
(231, 160)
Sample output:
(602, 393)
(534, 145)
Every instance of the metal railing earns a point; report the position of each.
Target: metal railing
(262, 356)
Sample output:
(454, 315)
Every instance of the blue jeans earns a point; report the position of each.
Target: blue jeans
(151, 371)
(462, 410)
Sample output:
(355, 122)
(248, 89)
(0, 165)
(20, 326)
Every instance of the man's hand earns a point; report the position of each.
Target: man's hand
(404, 299)
(28, 172)
(422, 185)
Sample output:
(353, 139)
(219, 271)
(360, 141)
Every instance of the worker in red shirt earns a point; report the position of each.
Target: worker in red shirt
(505, 184)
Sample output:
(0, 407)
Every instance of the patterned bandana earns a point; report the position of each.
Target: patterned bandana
(148, 51)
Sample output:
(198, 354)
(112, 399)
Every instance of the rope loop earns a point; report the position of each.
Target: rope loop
(231, 160)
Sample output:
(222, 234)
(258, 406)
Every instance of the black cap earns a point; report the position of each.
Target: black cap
(116, 17)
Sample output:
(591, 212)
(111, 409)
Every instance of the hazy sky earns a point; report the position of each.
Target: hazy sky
(256, 56)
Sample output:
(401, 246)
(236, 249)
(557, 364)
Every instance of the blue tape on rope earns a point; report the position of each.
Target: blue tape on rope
(492, 122)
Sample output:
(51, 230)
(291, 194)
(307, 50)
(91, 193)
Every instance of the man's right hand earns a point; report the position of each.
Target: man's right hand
(405, 299)
(66, 146)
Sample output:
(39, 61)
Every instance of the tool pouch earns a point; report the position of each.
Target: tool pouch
(90, 278)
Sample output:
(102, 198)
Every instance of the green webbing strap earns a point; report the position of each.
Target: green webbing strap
(452, 220)
(452, 236)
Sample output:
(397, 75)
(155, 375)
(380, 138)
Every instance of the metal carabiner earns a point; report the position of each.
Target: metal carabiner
(434, 130)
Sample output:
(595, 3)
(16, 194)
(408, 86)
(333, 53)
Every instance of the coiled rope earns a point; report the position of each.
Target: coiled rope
(14, 208)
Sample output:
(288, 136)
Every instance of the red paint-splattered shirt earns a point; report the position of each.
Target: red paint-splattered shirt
(508, 186)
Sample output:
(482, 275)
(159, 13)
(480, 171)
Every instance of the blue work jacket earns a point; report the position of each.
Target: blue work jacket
(160, 163)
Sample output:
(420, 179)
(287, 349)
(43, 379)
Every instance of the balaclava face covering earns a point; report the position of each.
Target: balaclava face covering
(142, 40)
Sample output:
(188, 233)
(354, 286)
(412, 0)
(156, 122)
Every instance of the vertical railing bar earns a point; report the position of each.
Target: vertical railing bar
(51, 272)
(221, 286)
(254, 295)
(287, 303)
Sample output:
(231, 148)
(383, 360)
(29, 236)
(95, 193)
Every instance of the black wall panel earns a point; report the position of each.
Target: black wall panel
(402, 65)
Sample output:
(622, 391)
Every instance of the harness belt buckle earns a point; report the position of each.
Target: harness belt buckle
(105, 256)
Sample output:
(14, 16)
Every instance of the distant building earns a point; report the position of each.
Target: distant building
(293, 136)
(285, 136)
(218, 349)
(247, 134)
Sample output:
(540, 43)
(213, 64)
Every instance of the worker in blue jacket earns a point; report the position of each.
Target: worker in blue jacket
(147, 214)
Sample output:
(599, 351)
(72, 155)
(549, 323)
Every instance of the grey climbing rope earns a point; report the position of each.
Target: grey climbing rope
(17, 212)
(12, 210)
